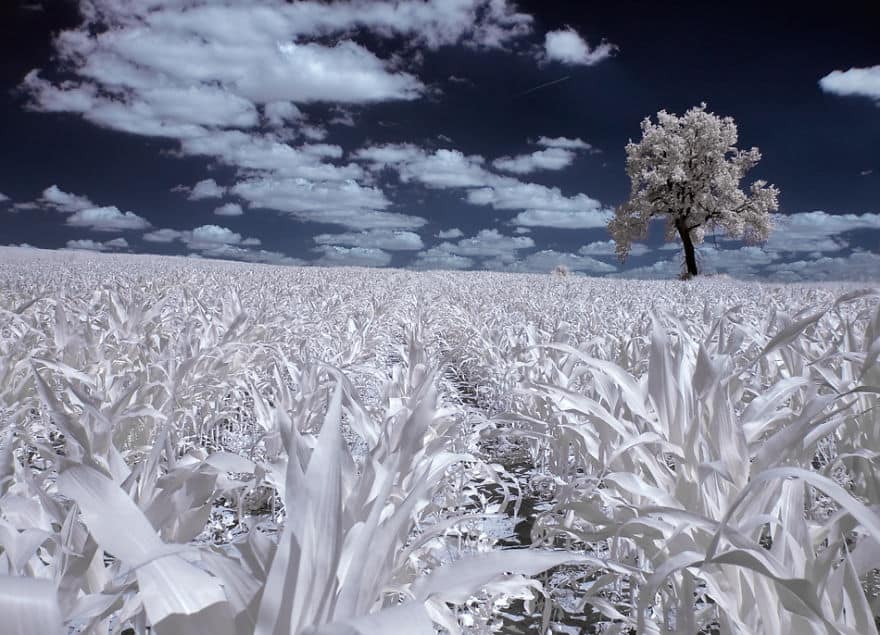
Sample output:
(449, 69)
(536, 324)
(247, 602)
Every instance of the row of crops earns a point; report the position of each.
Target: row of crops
(204, 447)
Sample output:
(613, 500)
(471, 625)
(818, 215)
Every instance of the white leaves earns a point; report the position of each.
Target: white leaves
(688, 169)
(29, 606)
(168, 585)
(707, 485)
(457, 581)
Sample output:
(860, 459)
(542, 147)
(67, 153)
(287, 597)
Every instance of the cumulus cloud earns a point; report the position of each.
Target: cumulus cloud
(207, 236)
(454, 232)
(547, 260)
(215, 241)
(374, 238)
(345, 203)
(513, 194)
(568, 47)
(229, 209)
(215, 77)
(392, 154)
(440, 258)
(223, 59)
(859, 265)
(745, 262)
(562, 219)
(336, 256)
(752, 262)
(267, 154)
(564, 142)
(206, 188)
(56, 198)
(549, 159)
(489, 243)
(107, 219)
(606, 248)
(280, 113)
(163, 235)
(816, 230)
(445, 169)
(855, 82)
(235, 252)
(92, 245)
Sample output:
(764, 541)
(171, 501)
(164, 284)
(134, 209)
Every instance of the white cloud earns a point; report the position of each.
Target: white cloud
(547, 260)
(816, 230)
(336, 256)
(25, 205)
(208, 236)
(489, 243)
(235, 252)
(92, 245)
(178, 68)
(229, 209)
(85, 245)
(859, 265)
(455, 232)
(568, 47)
(269, 155)
(512, 194)
(117, 243)
(562, 219)
(548, 159)
(107, 219)
(163, 235)
(445, 169)
(211, 240)
(214, 241)
(3, 198)
(279, 113)
(375, 238)
(858, 82)
(564, 142)
(344, 203)
(752, 262)
(746, 262)
(440, 258)
(606, 248)
(391, 154)
(206, 188)
(453, 169)
(227, 81)
(55, 197)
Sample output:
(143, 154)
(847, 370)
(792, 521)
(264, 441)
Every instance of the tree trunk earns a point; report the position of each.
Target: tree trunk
(690, 256)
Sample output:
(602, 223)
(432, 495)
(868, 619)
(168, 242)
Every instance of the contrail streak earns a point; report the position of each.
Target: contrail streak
(555, 81)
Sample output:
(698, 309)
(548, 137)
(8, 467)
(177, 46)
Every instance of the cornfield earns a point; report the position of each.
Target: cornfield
(196, 446)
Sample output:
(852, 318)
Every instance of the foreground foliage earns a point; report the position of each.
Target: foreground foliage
(214, 447)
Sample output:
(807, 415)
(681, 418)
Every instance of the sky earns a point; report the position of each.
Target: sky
(443, 134)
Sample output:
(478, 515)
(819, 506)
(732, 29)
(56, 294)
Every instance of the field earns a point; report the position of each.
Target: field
(206, 447)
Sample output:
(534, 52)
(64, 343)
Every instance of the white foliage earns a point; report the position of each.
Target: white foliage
(708, 466)
(688, 170)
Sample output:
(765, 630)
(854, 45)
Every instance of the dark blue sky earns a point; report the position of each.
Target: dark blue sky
(287, 107)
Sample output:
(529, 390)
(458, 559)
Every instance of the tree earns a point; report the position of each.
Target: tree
(689, 169)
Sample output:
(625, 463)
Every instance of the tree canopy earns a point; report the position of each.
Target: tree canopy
(688, 170)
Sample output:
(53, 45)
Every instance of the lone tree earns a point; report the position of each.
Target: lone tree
(688, 169)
